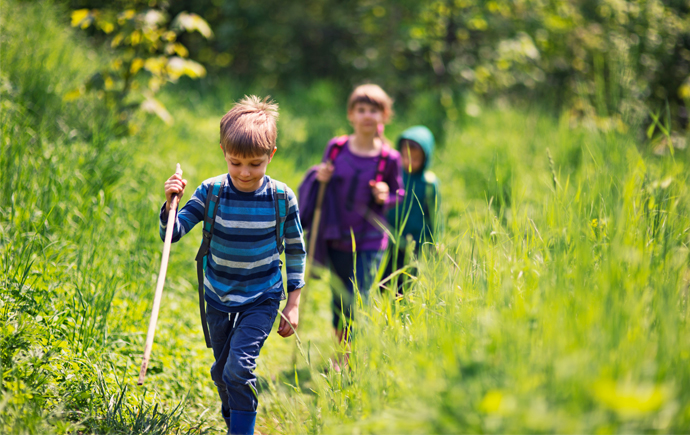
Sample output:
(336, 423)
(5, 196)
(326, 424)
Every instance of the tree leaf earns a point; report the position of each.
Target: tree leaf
(137, 64)
(192, 22)
(80, 16)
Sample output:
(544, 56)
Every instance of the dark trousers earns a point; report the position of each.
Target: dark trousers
(363, 271)
(236, 340)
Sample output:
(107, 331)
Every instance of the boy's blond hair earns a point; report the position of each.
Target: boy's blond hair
(374, 95)
(249, 128)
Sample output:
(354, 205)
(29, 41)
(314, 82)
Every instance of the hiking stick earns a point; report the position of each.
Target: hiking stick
(314, 233)
(159, 286)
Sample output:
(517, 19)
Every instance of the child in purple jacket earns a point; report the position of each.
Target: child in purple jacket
(364, 180)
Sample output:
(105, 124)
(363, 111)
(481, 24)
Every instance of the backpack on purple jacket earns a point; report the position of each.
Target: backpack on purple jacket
(329, 225)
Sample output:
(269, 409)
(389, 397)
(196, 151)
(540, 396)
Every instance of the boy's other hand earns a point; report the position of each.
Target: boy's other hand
(174, 186)
(325, 172)
(291, 313)
(380, 191)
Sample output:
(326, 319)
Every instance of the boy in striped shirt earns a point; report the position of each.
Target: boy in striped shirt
(242, 280)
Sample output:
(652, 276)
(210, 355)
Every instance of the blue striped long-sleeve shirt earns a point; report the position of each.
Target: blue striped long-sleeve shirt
(244, 267)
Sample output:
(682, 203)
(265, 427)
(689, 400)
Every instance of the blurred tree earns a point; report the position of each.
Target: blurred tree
(149, 54)
(607, 59)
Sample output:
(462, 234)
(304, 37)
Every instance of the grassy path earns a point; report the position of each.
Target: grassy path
(193, 141)
(557, 301)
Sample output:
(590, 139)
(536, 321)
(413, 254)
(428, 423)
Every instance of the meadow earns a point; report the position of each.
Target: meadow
(556, 300)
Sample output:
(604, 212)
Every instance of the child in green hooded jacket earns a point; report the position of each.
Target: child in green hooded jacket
(419, 210)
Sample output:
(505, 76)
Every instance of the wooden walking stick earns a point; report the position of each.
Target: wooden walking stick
(314, 229)
(159, 285)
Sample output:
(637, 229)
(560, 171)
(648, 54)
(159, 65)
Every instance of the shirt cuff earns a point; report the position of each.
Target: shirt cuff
(295, 285)
(163, 216)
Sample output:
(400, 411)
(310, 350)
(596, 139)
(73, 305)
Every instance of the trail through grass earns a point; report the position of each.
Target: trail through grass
(556, 301)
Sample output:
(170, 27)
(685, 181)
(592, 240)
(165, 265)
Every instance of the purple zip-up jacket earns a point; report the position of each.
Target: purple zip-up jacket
(349, 204)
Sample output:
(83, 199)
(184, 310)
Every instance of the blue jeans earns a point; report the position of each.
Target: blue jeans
(236, 339)
(343, 265)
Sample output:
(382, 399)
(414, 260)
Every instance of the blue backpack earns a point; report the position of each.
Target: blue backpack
(210, 210)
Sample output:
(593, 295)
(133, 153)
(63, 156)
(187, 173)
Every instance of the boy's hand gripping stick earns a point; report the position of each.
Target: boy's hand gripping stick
(159, 286)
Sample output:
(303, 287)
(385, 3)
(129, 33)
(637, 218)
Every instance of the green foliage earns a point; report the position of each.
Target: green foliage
(564, 310)
(605, 59)
(608, 61)
(556, 302)
(70, 267)
(562, 307)
(146, 46)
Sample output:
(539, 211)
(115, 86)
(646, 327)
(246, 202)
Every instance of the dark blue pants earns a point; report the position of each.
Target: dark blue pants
(343, 265)
(236, 340)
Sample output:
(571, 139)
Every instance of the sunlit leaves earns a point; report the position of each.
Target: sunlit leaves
(176, 48)
(153, 19)
(146, 41)
(137, 64)
(81, 17)
(178, 67)
(191, 23)
(155, 65)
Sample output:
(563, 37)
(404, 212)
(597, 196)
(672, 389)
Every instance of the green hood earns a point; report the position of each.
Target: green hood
(424, 137)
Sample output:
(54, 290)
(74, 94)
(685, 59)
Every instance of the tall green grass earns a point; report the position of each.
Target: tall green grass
(76, 243)
(556, 301)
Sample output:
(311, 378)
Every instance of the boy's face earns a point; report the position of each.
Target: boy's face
(365, 118)
(247, 173)
(412, 158)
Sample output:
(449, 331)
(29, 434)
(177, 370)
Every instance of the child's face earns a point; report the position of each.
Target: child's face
(247, 173)
(365, 118)
(412, 158)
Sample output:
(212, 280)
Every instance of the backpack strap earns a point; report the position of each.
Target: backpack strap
(340, 141)
(280, 195)
(210, 211)
(380, 169)
(381, 164)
